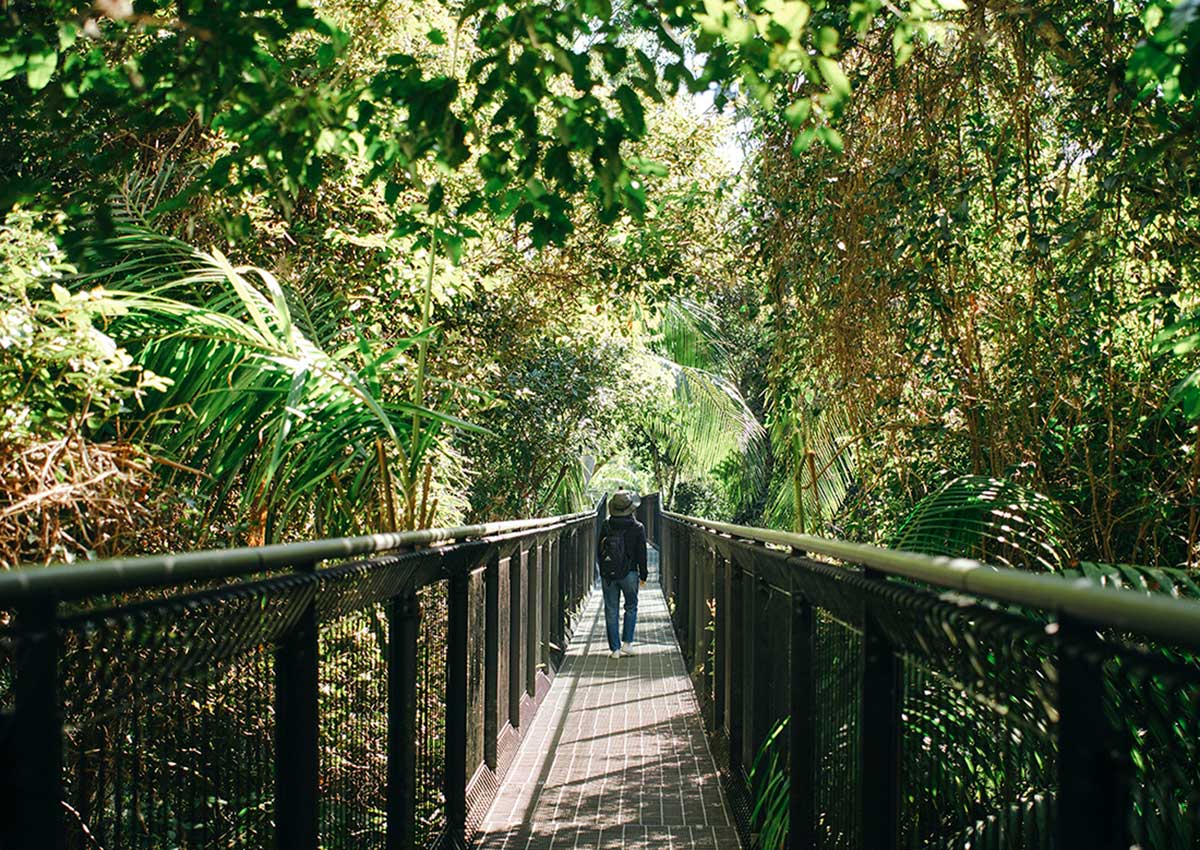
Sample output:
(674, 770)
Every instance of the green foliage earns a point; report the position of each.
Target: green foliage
(701, 497)
(995, 521)
(691, 417)
(542, 119)
(59, 370)
(552, 409)
(771, 788)
(1140, 579)
(254, 401)
(1167, 61)
(980, 285)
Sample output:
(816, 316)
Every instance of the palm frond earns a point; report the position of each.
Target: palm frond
(689, 334)
(1169, 581)
(817, 445)
(715, 420)
(989, 519)
(255, 402)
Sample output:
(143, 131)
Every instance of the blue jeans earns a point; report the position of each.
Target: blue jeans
(613, 590)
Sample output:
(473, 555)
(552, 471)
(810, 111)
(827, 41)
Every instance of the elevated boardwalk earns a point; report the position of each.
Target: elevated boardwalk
(240, 699)
(617, 757)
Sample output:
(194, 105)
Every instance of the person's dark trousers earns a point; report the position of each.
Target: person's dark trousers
(613, 591)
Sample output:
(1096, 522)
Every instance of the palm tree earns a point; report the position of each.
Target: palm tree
(698, 418)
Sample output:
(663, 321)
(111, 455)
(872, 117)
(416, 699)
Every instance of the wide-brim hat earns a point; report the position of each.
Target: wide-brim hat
(623, 503)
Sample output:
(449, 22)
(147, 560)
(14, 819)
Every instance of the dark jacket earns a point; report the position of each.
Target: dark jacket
(635, 540)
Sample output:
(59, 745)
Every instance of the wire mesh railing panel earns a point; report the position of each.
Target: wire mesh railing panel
(837, 671)
(168, 719)
(353, 704)
(8, 671)
(431, 713)
(1156, 706)
(978, 735)
(476, 658)
(504, 641)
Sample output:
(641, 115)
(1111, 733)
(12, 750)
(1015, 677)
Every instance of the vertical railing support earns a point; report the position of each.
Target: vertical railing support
(720, 637)
(803, 728)
(491, 661)
(297, 729)
(763, 663)
(737, 666)
(34, 794)
(404, 619)
(705, 570)
(517, 614)
(557, 613)
(549, 570)
(456, 708)
(696, 580)
(1094, 794)
(531, 563)
(683, 599)
(879, 731)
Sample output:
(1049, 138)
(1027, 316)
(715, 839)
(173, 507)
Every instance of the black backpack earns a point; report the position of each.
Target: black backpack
(614, 558)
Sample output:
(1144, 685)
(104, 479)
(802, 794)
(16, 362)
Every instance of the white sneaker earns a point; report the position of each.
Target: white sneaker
(626, 649)
(616, 653)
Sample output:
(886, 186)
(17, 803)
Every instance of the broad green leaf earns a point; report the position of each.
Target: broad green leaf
(804, 140)
(835, 78)
(40, 68)
(631, 110)
(797, 112)
(11, 64)
(832, 138)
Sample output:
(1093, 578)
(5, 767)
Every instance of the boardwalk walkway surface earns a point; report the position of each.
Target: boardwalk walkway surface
(617, 756)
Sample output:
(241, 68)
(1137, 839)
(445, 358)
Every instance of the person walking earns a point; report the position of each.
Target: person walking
(621, 552)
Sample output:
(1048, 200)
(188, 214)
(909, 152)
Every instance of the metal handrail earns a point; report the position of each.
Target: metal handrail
(72, 581)
(1159, 616)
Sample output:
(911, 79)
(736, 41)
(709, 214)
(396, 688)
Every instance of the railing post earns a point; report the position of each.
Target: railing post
(696, 580)
(582, 569)
(517, 614)
(35, 785)
(704, 573)
(683, 600)
(557, 614)
(491, 661)
(879, 731)
(737, 665)
(564, 584)
(297, 730)
(762, 717)
(803, 728)
(664, 564)
(1094, 794)
(404, 619)
(545, 572)
(456, 708)
(577, 568)
(529, 568)
(591, 566)
(720, 636)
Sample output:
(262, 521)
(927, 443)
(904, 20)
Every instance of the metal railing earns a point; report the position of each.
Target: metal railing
(360, 692)
(935, 702)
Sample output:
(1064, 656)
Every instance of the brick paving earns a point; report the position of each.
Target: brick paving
(617, 757)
